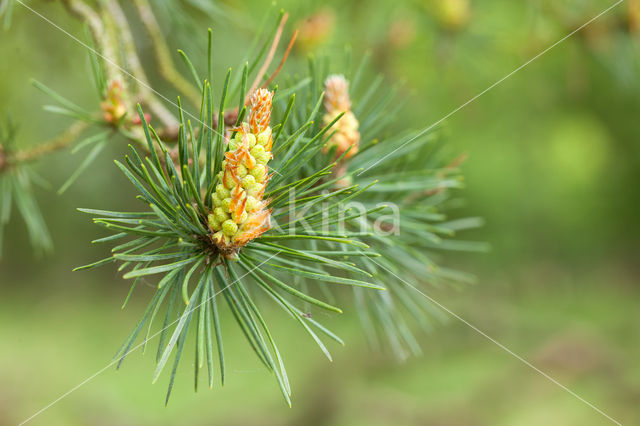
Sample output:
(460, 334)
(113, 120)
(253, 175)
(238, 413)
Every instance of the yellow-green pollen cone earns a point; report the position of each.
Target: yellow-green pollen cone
(239, 214)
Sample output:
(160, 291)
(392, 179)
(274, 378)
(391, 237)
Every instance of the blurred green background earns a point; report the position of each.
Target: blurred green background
(554, 166)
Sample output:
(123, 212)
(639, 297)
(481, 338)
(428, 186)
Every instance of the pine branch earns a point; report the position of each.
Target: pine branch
(204, 214)
(256, 196)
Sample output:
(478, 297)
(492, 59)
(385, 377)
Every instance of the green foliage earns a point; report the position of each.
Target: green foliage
(418, 180)
(171, 239)
(319, 246)
(415, 184)
(16, 187)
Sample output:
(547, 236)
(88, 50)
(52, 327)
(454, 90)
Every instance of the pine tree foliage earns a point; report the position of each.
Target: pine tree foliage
(298, 194)
(173, 239)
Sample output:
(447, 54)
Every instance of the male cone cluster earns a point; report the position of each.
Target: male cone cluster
(239, 213)
(337, 101)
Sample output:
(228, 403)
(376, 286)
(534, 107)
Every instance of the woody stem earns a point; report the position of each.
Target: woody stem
(64, 140)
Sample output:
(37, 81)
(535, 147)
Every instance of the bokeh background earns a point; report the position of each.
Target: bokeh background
(553, 167)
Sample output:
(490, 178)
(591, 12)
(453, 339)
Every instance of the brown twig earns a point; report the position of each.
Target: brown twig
(144, 92)
(62, 141)
(269, 58)
(284, 59)
(456, 162)
(163, 56)
(3, 159)
(86, 13)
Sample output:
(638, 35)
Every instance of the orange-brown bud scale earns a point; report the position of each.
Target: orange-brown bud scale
(260, 110)
(239, 213)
